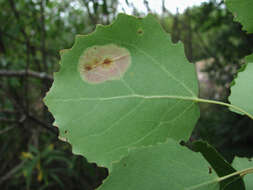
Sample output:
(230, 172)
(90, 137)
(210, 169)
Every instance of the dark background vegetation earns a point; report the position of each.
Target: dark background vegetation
(31, 34)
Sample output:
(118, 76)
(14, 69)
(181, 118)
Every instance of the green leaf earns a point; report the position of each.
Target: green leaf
(242, 90)
(244, 164)
(242, 10)
(125, 85)
(164, 166)
(220, 165)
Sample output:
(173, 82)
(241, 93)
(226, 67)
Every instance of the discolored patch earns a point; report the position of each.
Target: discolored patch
(98, 64)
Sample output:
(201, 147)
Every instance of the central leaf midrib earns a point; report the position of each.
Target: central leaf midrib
(187, 98)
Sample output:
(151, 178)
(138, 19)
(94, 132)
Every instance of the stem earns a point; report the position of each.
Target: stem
(225, 104)
(241, 173)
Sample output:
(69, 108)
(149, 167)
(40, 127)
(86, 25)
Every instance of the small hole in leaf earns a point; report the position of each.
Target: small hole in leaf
(209, 170)
(182, 143)
(140, 31)
(65, 131)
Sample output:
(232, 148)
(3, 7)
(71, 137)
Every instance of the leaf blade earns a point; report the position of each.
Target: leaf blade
(242, 90)
(242, 10)
(163, 166)
(241, 164)
(220, 166)
(117, 114)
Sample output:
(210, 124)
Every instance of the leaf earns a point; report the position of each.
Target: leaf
(220, 166)
(242, 90)
(242, 10)
(242, 164)
(125, 85)
(164, 166)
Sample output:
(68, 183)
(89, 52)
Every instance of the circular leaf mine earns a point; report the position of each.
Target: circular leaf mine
(98, 64)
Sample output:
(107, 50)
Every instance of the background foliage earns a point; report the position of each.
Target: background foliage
(31, 34)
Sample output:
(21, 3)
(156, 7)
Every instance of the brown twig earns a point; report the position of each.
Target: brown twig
(7, 111)
(6, 130)
(145, 2)
(34, 47)
(4, 120)
(206, 49)
(11, 172)
(43, 36)
(27, 39)
(43, 124)
(31, 118)
(92, 17)
(24, 73)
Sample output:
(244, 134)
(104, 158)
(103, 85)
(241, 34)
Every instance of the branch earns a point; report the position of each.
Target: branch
(145, 2)
(7, 111)
(6, 130)
(31, 118)
(11, 172)
(43, 124)
(91, 16)
(24, 73)
(208, 52)
(16, 14)
(43, 36)
(5, 120)
(23, 30)
(32, 46)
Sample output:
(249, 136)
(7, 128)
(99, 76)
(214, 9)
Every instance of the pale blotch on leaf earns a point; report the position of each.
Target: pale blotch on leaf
(98, 64)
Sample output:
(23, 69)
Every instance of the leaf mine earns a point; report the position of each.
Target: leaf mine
(98, 64)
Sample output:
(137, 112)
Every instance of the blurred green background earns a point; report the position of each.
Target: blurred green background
(31, 34)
